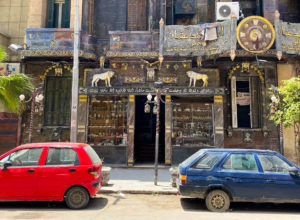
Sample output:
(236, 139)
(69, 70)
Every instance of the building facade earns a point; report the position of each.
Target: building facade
(216, 69)
(13, 21)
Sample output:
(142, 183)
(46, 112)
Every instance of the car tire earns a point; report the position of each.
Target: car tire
(77, 198)
(217, 201)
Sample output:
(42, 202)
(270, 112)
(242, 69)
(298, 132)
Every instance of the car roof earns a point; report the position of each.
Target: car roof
(53, 144)
(239, 150)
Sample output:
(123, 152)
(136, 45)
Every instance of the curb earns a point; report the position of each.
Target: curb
(160, 192)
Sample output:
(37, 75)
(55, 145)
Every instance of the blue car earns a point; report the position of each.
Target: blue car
(240, 175)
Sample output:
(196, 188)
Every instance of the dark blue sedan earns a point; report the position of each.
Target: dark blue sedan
(223, 175)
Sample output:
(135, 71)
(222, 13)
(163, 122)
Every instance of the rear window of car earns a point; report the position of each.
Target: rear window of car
(208, 161)
(92, 154)
(192, 157)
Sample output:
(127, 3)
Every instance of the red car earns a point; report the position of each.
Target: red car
(69, 172)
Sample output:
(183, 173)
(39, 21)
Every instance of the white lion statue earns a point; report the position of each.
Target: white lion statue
(102, 76)
(197, 76)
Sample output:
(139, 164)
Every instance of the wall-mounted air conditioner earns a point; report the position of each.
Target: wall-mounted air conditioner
(225, 9)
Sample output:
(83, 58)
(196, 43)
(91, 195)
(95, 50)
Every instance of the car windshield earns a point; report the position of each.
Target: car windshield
(192, 157)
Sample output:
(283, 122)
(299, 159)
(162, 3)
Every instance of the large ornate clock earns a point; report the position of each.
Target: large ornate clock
(255, 34)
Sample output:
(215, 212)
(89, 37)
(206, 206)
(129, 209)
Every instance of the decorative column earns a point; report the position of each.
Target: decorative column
(73, 13)
(131, 122)
(168, 129)
(82, 118)
(219, 121)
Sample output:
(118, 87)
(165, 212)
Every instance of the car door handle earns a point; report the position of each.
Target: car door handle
(228, 179)
(30, 171)
(72, 170)
(270, 181)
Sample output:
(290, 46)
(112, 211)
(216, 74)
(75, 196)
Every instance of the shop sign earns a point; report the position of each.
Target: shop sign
(243, 98)
(9, 68)
(288, 37)
(145, 91)
(199, 40)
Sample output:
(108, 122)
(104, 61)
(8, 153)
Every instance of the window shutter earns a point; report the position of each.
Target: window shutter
(137, 15)
(50, 14)
(66, 14)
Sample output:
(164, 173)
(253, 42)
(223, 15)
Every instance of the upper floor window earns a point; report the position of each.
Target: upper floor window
(58, 13)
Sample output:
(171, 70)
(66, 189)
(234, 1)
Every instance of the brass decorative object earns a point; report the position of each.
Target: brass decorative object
(102, 61)
(134, 79)
(199, 61)
(255, 34)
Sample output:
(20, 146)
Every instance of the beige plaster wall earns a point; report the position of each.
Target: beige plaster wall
(13, 21)
(285, 72)
(72, 15)
(4, 40)
(37, 13)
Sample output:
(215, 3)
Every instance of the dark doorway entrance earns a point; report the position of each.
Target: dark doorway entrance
(145, 130)
(243, 110)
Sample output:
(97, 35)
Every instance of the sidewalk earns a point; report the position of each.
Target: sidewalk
(138, 181)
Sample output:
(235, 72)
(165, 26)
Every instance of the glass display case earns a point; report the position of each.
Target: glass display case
(107, 121)
(192, 124)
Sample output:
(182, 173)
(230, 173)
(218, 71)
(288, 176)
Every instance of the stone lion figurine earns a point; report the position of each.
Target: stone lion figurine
(102, 76)
(197, 76)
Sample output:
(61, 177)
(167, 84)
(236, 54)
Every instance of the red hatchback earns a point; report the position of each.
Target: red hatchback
(51, 172)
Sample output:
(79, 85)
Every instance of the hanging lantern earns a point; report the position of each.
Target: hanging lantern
(147, 108)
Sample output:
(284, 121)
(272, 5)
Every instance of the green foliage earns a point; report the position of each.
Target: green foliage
(2, 54)
(288, 109)
(12, 86)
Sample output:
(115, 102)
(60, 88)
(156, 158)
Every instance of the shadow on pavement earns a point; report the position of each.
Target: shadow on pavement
(95, 204)
(194, 204)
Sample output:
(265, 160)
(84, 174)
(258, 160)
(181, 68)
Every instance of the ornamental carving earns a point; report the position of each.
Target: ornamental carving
(255, 34)
(134, 79)
(246, 67)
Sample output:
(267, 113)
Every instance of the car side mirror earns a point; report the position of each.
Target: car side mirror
(6, 164)
(293, 171)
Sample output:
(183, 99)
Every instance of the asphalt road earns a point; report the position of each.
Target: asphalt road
(132, 207)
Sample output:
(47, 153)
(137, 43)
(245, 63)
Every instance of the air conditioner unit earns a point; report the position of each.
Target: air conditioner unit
(225, 9)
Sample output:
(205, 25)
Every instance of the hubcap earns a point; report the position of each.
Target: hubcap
(218, 202)
(77, 197)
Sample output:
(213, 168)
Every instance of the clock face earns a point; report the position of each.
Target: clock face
(255, 34)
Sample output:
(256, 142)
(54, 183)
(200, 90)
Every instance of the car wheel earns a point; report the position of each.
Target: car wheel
(217, 201)
(77, 198)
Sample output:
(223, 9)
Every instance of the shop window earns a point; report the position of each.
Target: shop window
(58, 101)
(245, 98)
(192, 123)
(107, 121)
(58, 13)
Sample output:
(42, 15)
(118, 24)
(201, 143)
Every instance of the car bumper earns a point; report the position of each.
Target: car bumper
(191, 191)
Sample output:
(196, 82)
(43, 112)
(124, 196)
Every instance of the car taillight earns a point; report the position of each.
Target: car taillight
(93, 171)
(182, 179)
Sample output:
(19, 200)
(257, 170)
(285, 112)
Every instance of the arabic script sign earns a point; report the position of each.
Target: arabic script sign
(199, 40)
(145, 91)
(288, 37)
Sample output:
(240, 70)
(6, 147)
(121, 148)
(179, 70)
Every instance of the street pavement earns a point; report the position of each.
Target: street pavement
(139, 181)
